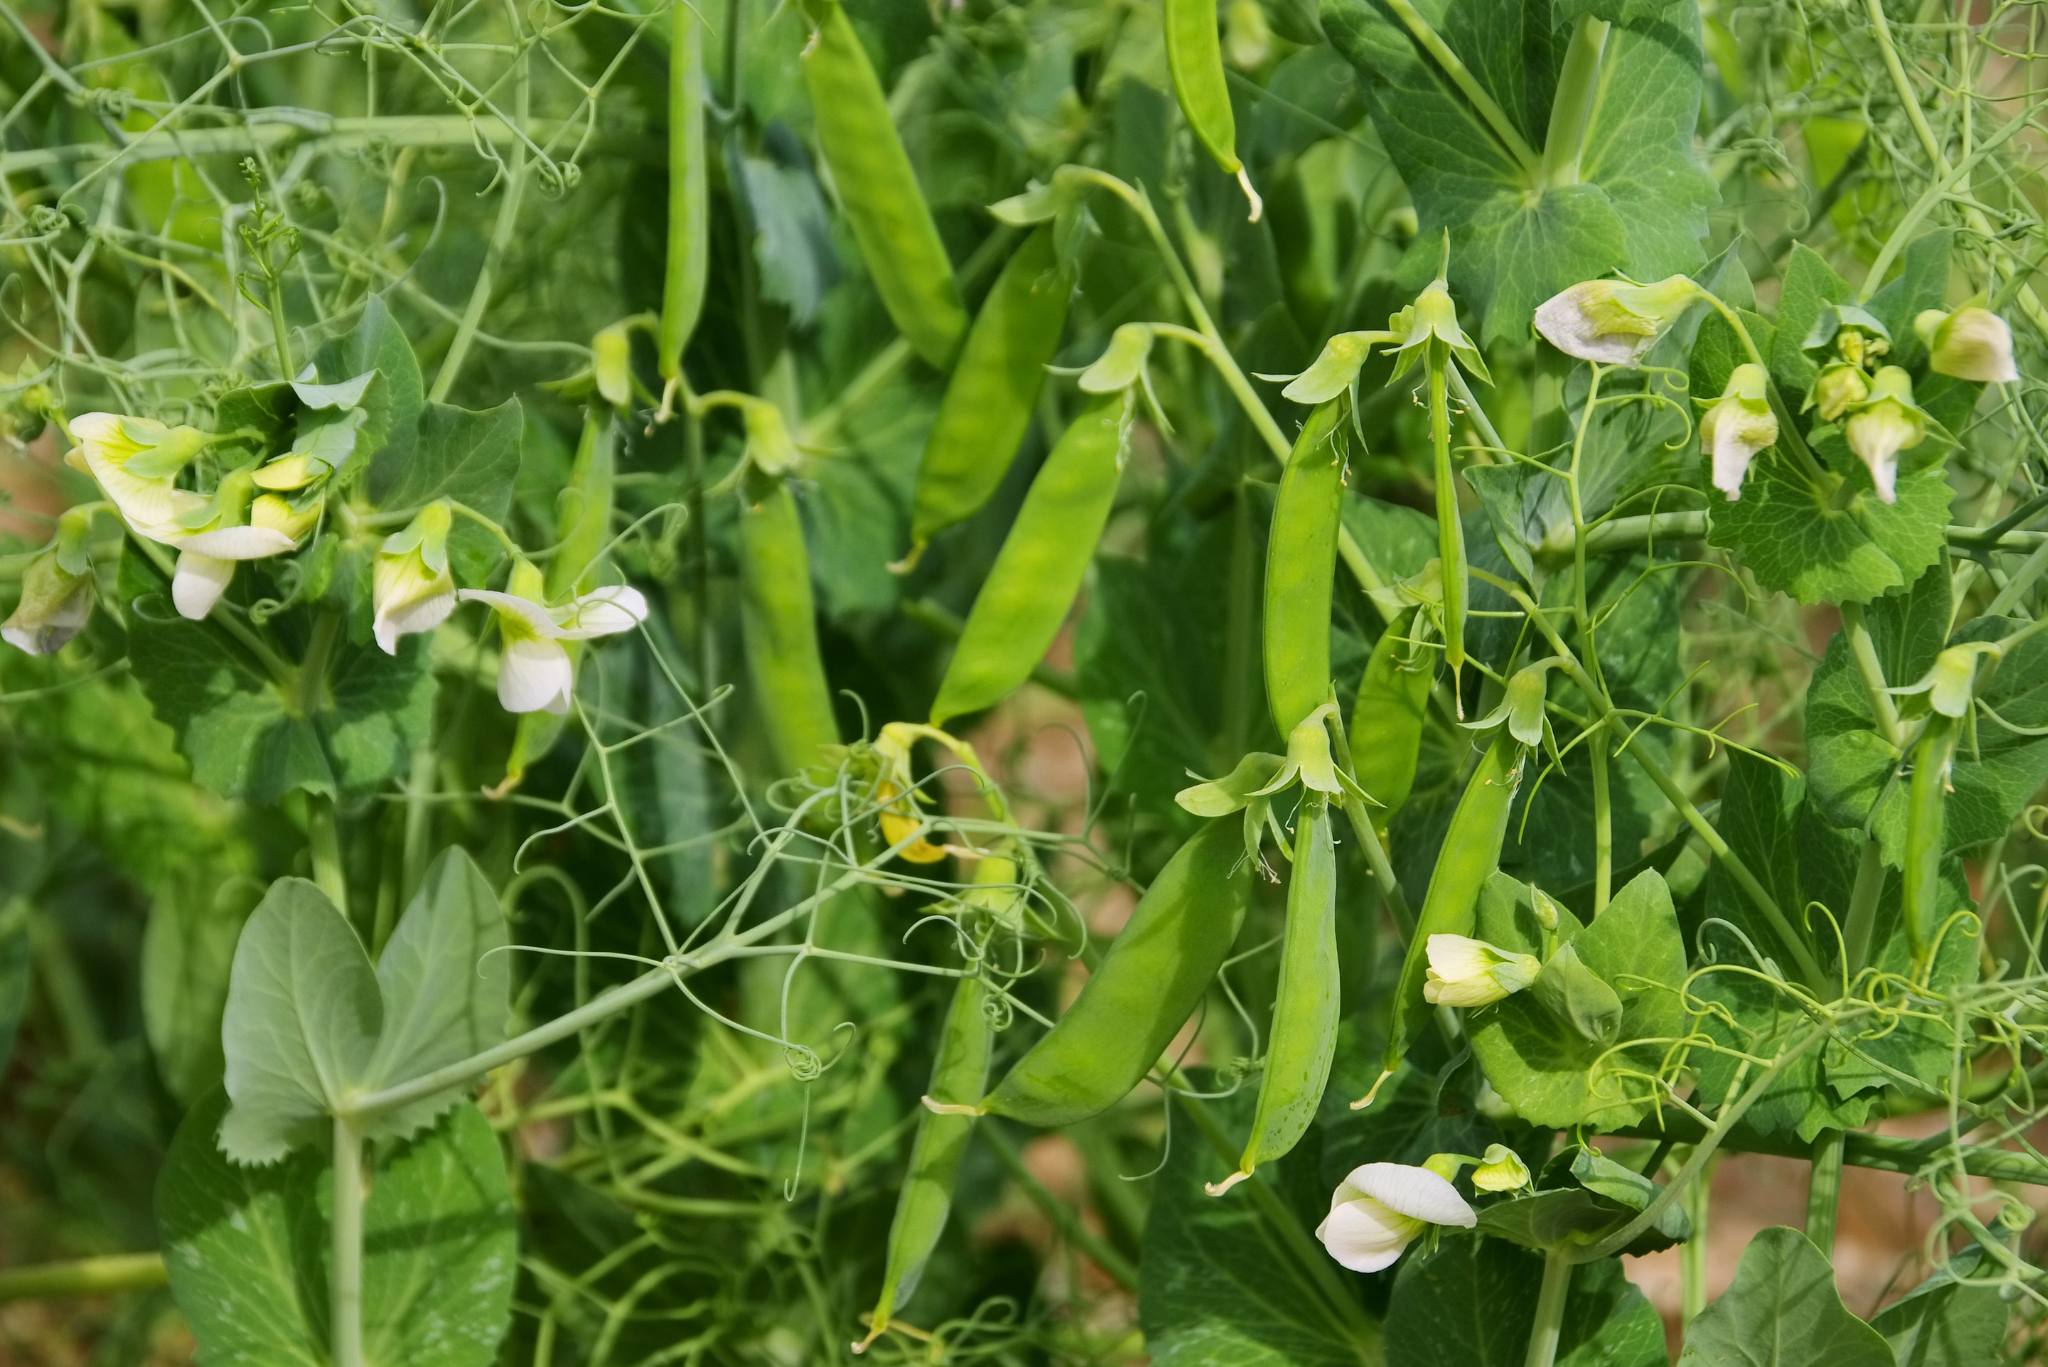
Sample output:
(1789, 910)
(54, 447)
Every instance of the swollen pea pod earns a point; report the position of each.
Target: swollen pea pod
(689, 240)
(892, 225)
(1194, 56)
(1149, 981)
(1040, 567)
(1301, 567)
(1303, 1040)
(1469, 856)
(986, 408)
(1926, 824)
(961, 1070)
(778, 625)
(1387, 716)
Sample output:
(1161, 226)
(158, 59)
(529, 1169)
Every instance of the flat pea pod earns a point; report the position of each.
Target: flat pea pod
(1387, 715)
(1926, 823)
(1040, 567)
(1450, 528)
(1302, 1042)
(778, 625)
(871, 173)
(960, 1070)
(1149, 981)
(986, 408)
(1469, 856)
(689, 238)
(1301, 568)
(1194, 58)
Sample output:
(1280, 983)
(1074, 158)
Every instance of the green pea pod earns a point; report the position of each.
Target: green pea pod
(1926, 823)
(1150, 980)
(871, 173)
(1303, 1040)
(1387, 717)
(1450, 529)
(1194, 56)
(778, 624)
(1470, 854)
(961, 1070)
(689, 239)
(1040, 567)
(986, 408)
(1301, 567)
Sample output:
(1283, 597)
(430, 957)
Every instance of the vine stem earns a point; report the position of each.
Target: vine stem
(1063, 1216)
(1571, 109)
(1871, 670)
(345, 1274)
(1550, 1301)
(84, 1277)
(494, 254)
(1824, 1189)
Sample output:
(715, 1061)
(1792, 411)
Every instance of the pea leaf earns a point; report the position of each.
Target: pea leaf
(1641, 201)
(1782, 1311)
(1810, 284)
(392, 403)
(301, 1025)
(188, 950)
(247, 1248)
(470, 456)
(1474, 1303)
(1550, 1073)
(1945, 1323)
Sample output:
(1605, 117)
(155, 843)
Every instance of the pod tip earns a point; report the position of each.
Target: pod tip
(950, 1108)
(1377, 1083)
(1258, 206)
(1218, 1188)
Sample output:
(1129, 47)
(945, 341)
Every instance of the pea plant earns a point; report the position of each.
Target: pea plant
(1019, 682)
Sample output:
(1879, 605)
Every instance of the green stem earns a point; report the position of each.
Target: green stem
(101, 1276)
(1860, 926)
(1824, 1189)
(1692, 1254)
(1571, 108)
(494, 253)
(345, 1273)
(1460, 77)
(1603, 824)
(1871, 671)
(280, 328)
(305, 129)
(1550, 1300)
(1064, 1217)
(323, 840)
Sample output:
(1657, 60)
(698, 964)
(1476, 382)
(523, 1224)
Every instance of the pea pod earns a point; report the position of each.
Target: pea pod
(986, 408)
(1387, 717)
(1194, 57)
(1303, 1039)
(1301, 567)
(871, 173)
(1470, 855)
(1450, 530)
(778, 624)
(961, 1070)
(689, 240)
(1925, 826)
(1150, 980)
(1040, 567)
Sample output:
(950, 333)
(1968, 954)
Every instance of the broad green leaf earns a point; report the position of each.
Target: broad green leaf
(1547, 1071)
(188, 951)
(1474, 1303)
(1809, 285)
(1782, 1311)
(1641, 201)
(469, 456)
(392, 403)
(301, 1022)
(445, 989)
(1583, 1197)
(1945, 1323)
(248, 1249)
(1219, 1283)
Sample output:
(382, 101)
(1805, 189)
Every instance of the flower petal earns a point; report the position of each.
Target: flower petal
(198, 583)
(601, 612)
(405, 619)
(1415, 1192)
(533, 614)
(237, 543)
(535, 675)
(1366, 1236)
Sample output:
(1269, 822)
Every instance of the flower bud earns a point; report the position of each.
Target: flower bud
(411, 589)
(1970, 344)
(1432, 320)
(1501, 1169)
(1738, 425)
(611, 364)
(1578, 997)
(1614, 322)
(1122, 362)
(1470, 973)
(1335, 368)
(1838, 387)
(1885, 424)
(56, 601)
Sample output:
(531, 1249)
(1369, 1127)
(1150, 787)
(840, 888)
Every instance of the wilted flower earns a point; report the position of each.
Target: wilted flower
(1951, 682)
(136, 462)
(1614, 322)
(1335, 368)
(895, 791)
(1122, 362)
(535, 673)
(411, 588)
(1837, 388)
(1521, 705)
(1381, 1208)
(1502, 1169)
(1738, 425)
(1467, 972)
(1885, 424)
(56, 592)
(1971, 344)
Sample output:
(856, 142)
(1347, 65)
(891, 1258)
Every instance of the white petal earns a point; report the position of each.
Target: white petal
(1732, 456)
(1563, 322)
(528, 611)
(601, 612)
(534, 676)
(199, 582)
(407, 618)
(1415, 1192)
(1457, 957)
(1365, 1236)
(237, 543)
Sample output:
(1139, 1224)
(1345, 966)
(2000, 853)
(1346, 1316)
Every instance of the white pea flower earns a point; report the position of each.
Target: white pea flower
(56, 595)
(1883, 425)
(1970, 344)
(1501, 1169)
(1381, 1208)
(535, 673)
(1614, 322)
(1467, 972)
(136, 461)
(411, 589)
(1738, 425)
